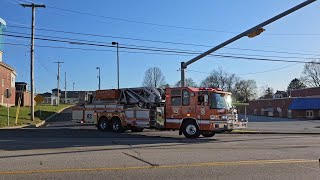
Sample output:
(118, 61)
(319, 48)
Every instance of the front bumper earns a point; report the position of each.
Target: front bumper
(230, 125)
(240, 124)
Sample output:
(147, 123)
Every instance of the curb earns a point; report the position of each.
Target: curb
(288, 133)
(14, 127)
(48, 118)
(36, 125)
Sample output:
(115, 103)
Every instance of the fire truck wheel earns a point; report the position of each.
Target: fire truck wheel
(103, 124)
(117, 126)
(190, 130)
(208, 134)
(136, 129)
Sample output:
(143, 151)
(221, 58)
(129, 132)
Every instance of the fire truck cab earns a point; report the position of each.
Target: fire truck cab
(204, 111)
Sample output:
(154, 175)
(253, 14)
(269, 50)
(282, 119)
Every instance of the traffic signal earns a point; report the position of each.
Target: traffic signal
(255, 32)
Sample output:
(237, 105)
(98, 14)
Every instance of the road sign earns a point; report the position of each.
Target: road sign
(39, 99)
(7, 93)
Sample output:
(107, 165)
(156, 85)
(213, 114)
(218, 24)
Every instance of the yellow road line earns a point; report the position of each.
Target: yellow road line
(207, 164)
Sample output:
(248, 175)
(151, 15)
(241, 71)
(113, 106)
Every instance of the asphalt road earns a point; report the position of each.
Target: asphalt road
(66, 150)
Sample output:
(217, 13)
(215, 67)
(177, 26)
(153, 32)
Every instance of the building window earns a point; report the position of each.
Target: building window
(289, 113)
(12, 80)
(309, 113)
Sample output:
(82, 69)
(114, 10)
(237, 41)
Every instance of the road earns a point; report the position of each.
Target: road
(285, 125)
(66, 150)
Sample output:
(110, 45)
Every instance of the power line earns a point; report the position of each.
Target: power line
(145, 49)
(186, 53)
(249, 73)
(168, 26)
(289, 57)
(163, 42)
(138, 22)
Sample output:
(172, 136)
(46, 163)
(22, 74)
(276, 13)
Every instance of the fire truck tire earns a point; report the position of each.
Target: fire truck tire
(190, 129)
(117, 126)
(208, 134)
(136, 129)
(103, 124)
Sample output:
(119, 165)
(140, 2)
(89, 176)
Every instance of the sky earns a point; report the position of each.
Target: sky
(204, 22)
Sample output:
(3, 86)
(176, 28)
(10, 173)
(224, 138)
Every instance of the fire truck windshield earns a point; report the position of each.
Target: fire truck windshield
(220, 101)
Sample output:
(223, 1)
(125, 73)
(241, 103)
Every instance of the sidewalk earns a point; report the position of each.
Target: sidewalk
(263, 125)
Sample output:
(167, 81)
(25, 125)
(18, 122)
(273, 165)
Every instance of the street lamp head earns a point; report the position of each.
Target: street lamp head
(114, 43)
(98, 68)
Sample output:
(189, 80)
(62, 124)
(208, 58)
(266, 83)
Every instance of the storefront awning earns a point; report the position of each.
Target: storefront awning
(305, 104)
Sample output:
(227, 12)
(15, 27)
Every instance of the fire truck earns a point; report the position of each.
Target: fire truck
(191, 111)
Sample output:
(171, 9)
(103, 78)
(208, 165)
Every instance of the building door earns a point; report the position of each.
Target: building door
(309, 114)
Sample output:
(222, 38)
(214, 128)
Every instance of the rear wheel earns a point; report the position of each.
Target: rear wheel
(136, 129)
(190, 129)
(208, 134)
(103, 124)
(117, 126)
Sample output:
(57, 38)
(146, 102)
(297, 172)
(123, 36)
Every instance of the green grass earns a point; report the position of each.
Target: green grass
(24, 115)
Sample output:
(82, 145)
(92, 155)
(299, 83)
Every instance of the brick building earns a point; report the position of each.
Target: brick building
(73, 97)
(7, 81)
(301, 103)
(7, 74)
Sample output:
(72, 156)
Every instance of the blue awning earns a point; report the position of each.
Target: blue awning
(305, 104)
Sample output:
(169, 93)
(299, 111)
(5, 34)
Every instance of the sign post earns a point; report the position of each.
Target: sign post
(39, 99)
(7, 94)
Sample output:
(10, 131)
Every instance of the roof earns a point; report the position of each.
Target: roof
(305, 104)
(8, 67)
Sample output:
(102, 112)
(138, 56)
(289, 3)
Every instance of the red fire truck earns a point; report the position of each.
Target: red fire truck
(192, 111)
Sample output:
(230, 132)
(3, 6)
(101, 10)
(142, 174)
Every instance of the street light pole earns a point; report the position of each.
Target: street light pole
(99, 78)
(118, 81)
(256, 30)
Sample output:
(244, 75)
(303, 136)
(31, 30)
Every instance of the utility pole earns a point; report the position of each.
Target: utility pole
(99, 77)
(65, 87)
(118, 71)
(73, 89)
(58, 83)
(33, 6)
(252, 32)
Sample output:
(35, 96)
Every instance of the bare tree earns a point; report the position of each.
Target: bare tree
(246, 90)
(189, 83)
(153, 77)
(221, 79)
(311, 73)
